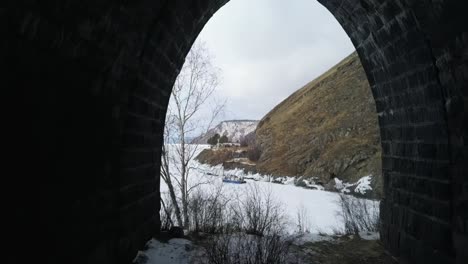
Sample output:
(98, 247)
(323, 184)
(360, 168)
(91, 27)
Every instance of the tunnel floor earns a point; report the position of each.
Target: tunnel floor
(342, 250)
(322, 249)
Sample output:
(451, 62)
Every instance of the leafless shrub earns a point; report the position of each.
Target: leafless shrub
(207, 211)
(242, 248)
(217, 250)
(248, 140)
(302, 220)
(253, 232)
(359, 214)
(300, 183)
(248, 228)
(259, 212)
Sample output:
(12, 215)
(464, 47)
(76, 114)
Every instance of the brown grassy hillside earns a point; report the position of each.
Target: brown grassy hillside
(327, 128)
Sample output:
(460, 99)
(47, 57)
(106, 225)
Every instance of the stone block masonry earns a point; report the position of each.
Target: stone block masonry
(88, 83)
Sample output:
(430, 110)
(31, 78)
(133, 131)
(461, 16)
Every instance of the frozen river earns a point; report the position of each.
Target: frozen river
(321, 208)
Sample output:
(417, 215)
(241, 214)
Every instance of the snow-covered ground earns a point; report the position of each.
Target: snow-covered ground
(320, 208)
(173, 252)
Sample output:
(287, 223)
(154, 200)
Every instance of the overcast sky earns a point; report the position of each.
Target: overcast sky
(267, 49)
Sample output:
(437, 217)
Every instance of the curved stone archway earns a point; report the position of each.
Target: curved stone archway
(91, 82)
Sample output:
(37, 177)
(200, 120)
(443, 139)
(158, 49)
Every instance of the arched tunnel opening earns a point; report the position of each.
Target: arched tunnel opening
(266, 51)
(90, 83)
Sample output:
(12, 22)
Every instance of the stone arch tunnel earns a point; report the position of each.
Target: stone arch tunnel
(87, 85)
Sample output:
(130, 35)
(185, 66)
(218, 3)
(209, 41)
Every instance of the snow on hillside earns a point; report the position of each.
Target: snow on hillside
(233, 129)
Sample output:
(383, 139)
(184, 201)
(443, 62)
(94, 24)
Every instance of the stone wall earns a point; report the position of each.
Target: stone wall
(89, 82)
(87, 85)
(414, 53)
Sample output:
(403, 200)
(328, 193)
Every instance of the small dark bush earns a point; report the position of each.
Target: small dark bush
(277, 181)
(243, 142)
(206, 212)
(214, 139)
(242, 248)
(176, 232)
(248, 140)
(223, 139)
(300, 183)
(254, 153)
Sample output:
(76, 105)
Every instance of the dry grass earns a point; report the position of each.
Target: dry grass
(215, 157)
(310, 127)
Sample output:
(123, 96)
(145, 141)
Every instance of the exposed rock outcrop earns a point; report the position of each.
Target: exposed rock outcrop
(235, 130)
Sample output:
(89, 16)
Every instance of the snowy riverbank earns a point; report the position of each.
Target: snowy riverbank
(320, 208)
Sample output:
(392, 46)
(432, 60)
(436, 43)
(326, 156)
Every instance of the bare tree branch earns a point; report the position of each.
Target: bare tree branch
(193, 89)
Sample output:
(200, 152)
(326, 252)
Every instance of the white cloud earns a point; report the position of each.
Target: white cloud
(267, 49)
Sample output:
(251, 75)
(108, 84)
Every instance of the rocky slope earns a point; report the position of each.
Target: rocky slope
(326, 129)
(233, 129)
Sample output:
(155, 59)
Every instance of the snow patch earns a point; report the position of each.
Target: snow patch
(361, 186)
(338, 184)
(176, 251)
(311, 237)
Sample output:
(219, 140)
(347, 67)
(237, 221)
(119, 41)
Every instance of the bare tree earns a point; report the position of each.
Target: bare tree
(302, 220)
(187, 114)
